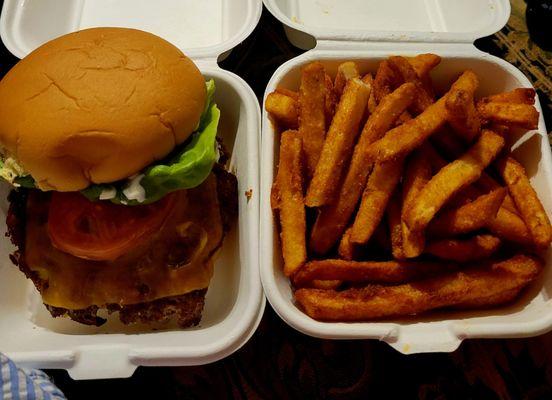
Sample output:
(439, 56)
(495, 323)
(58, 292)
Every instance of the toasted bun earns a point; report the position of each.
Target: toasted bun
(97, 106)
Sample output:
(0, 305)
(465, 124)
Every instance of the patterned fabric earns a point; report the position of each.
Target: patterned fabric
(280, 363)
(18, 384)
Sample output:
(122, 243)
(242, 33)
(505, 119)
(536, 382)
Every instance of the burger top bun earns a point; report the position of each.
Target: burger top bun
(97, 106)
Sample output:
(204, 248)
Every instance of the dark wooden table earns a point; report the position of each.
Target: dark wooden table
(280, 363)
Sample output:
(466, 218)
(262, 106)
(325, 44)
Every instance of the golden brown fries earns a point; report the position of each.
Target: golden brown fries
(468, 218)
(476, 248)
(367, 271)
(339, 144)
(404, 70)
(345, 71)
(283, 109)
(287, 92)
(312, 118)
(423, 64)
(451, 145)
(462, 114)
(527, 201)
(379, 188)
(516, 96)
(477, 287)
(417, 175)
(515, 115)
(451, 179)
(510, 226)
(405, 138)
(331, 100)
(423, 198)
(395, 226)
(287, 199)
(385, 81)
(332, 220)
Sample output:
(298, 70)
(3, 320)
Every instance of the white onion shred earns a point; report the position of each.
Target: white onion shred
(135, 191)
(108, 194)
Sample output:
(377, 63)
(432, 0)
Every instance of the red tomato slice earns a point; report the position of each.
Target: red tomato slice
(102, 230)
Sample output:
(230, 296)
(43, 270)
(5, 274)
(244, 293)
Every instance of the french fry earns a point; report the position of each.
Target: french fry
(390, 272)
(403, 139)
(331, 100)
(451, 179)
(385, 81)
(283, 109)
(468, 218)
(347, 250)
(423, 64)
(339, 143)
(394, 223)
(526, 200)
(512, 115)
(476, 248)
(345, 71)
(333, 219)
(287, 199)
(417, 174)
(509, 226)
(491, 285)
(462, 114)
(379, 188)
(312, 125)
(404, 70)
(452, 146)
(287, 92)
(516, 96)
(372, 103)
(326, 285)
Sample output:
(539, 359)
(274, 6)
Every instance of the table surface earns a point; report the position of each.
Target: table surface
(280, 363)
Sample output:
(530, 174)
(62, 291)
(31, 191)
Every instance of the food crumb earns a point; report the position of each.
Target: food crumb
(406, 348)
(249, 194)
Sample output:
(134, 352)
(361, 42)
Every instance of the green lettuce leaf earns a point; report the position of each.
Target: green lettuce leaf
(186, 167)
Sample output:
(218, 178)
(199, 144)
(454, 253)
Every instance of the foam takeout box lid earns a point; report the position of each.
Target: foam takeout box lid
(391, 20)
(201, 29)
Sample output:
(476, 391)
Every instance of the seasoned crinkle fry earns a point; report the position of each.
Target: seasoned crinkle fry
(333, 219)
(451, 179)
(283, 109)
(487, 286)
(476, 248)
(417, 175)
(470, 217)
(379, 188)
(509, 114)
(527, 201)
(407, 74)
(367, 271)
(339, 143)
(312, 118)
(403, 139)
(516, 96)
(287, 199)
(345, 71)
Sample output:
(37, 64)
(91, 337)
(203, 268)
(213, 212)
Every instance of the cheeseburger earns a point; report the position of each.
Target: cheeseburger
(121, 199)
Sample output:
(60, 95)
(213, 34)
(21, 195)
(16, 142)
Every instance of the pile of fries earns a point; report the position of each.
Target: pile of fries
(392, 200)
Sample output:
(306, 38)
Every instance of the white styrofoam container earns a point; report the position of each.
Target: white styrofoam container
(234, 303)
(375, 30)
